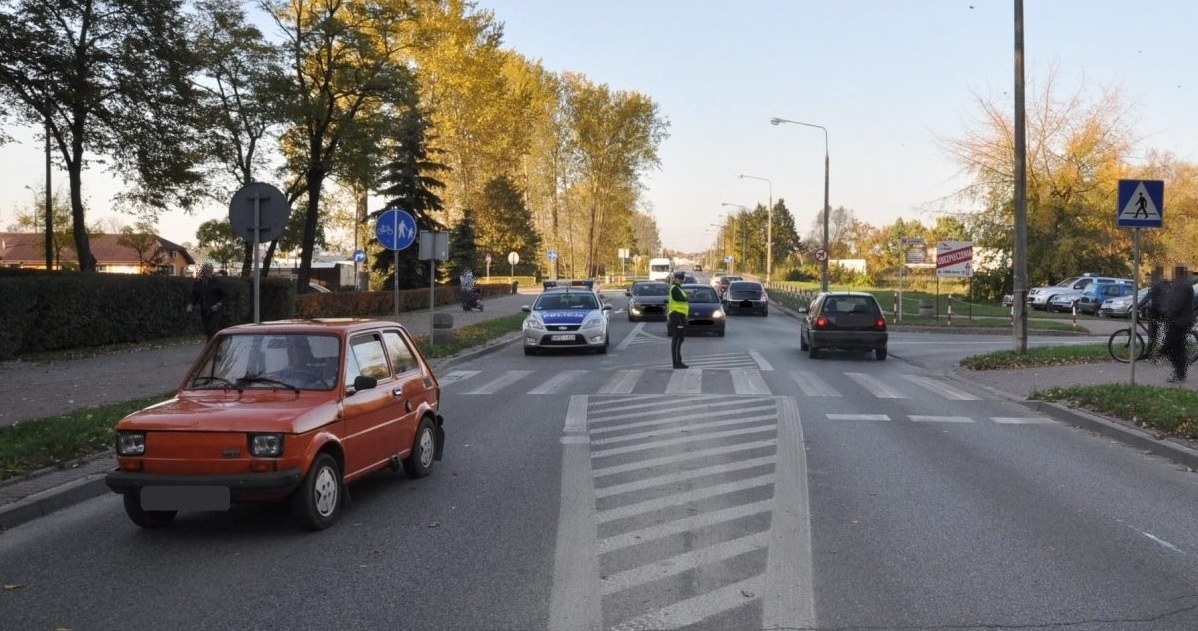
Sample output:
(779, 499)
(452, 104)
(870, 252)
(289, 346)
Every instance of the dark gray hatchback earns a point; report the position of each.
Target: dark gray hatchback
(849, 320)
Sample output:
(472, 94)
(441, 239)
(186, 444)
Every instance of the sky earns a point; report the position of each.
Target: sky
(890, 80)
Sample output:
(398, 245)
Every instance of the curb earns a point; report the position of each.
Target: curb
(45, 502)
(1121, 431)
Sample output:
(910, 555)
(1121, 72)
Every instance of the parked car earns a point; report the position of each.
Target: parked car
(845, 321)
(1120, 307)
(1092, 298)
(1040, 297)
(566, 318)
(1063, 301)
(647, 299)
(706, 313)
(290, 410)
(746, 296)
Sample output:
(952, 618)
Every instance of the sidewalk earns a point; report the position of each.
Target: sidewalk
(26, 389)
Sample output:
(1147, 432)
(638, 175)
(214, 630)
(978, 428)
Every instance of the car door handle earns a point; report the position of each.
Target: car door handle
(397, 393)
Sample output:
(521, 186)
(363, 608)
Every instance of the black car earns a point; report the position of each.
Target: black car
(706, 313)
(647, 299)
(746, 296)
(724, 282)
(850, 320)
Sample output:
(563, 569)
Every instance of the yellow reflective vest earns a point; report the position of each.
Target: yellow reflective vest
(677, 301)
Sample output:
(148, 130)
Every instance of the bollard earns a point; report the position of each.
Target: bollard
(950, 310)
(1075, 314)
(896, 308)
(1012, 314)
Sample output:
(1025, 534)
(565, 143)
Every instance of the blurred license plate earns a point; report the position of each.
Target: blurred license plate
(185, 498)
(563, 338)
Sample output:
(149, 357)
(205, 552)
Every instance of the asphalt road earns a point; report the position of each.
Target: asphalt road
(760, 489)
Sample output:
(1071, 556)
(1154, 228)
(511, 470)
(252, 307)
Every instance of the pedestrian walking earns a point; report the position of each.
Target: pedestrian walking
(1153, 311)
(209, 298)
(1179, 318)
(677, 312)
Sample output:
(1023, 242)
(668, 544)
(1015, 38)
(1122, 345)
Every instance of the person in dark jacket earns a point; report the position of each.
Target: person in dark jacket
(208, 296)
(1157, 289)
(1179, 318)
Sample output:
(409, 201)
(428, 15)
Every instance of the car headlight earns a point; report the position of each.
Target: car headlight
(593, 322)
(266, 445)
(533, 324)
(131, 443)
(718, 313)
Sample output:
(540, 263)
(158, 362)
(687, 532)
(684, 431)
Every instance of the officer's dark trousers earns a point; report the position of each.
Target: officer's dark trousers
(677, 323)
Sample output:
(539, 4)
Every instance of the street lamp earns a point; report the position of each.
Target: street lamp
(769, 227)
(823, 281)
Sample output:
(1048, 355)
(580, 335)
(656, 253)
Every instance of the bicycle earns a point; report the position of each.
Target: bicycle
(1120, 343)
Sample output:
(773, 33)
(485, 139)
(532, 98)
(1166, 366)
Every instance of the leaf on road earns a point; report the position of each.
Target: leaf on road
(11, 586)
(434, 524)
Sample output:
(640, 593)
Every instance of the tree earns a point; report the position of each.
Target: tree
(504, 223)
(107, 78)
(411, 184)
(786, 237)
(142, 240)
(1076, 149)
(240, 98)
(217, 240)
(463, 249)
(840, 228)
(347, 66)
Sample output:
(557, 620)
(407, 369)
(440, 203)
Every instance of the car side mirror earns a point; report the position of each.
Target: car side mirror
(526, 309)
(362, 382)
(627, 292)
(606, 307)
(802, 309)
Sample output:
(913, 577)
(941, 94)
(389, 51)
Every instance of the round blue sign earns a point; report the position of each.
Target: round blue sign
(553, 255)
(359, 256)
(395, 229)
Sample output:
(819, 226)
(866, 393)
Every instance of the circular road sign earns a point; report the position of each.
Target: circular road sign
(513, 258)
(821, 255)
(395, 229)
(272, 210)
(553, 255)
(359, 256)
(488, 259)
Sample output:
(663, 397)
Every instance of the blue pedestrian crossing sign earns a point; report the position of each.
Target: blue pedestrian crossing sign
(1141, 203)
(395, 229)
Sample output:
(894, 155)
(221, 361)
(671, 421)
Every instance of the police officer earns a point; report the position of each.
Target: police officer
(677, 311)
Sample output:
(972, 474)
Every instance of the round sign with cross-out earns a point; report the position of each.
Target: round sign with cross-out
(513, 258)
(821, 255)
(261, 203)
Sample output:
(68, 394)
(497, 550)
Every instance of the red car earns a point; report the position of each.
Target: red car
(282, 411)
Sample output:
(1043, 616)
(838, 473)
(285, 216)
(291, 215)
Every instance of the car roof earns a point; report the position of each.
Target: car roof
(313, 325)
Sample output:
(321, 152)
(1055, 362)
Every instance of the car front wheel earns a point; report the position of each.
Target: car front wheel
(419, 463)
(317, 503)
(148, 519)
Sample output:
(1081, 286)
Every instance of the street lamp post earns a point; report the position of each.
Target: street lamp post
(769, 227)
(823, 281)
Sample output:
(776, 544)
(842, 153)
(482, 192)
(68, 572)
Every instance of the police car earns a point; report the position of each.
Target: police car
(565, 318)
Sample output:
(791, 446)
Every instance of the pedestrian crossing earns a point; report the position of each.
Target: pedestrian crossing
(696, 380)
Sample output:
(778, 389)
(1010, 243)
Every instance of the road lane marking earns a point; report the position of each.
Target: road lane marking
(1021, 420)
(683, 457)
(1162, 542)
(941, 389)
(875, 387)
(622, 382)
(749, 382)
(761, 361)
(451, 378)
(918, 418)
(857, 417)
(811, 385)
(698, 429)
(635, 333)
(658, 444)
(689, 381)
(681, 416)
(788, 595)
(682, 476)
(666, 529)
(508, 378)
(680, 563)
(572, 605)
(694, 610)
(682, 499)
(555, 383)
(656, 409)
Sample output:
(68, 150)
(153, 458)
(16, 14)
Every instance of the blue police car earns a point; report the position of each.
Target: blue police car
(566, 318)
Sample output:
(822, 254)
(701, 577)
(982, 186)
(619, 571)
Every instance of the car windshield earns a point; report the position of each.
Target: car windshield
(565, 300)
(650, 289)
(298, 361)
(701, 294)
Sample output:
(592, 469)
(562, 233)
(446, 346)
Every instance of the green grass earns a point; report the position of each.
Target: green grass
(1173, 411)
(58, 440)
(472, 335)
(1062, 355)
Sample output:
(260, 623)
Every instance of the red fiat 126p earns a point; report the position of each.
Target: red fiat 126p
(289, 410)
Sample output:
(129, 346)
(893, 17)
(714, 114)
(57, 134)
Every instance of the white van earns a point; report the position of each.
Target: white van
(659, 269)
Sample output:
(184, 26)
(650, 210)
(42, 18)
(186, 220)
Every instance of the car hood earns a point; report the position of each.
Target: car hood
(574, 316)
(230, 411)
(703, 308)
(650, 300)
